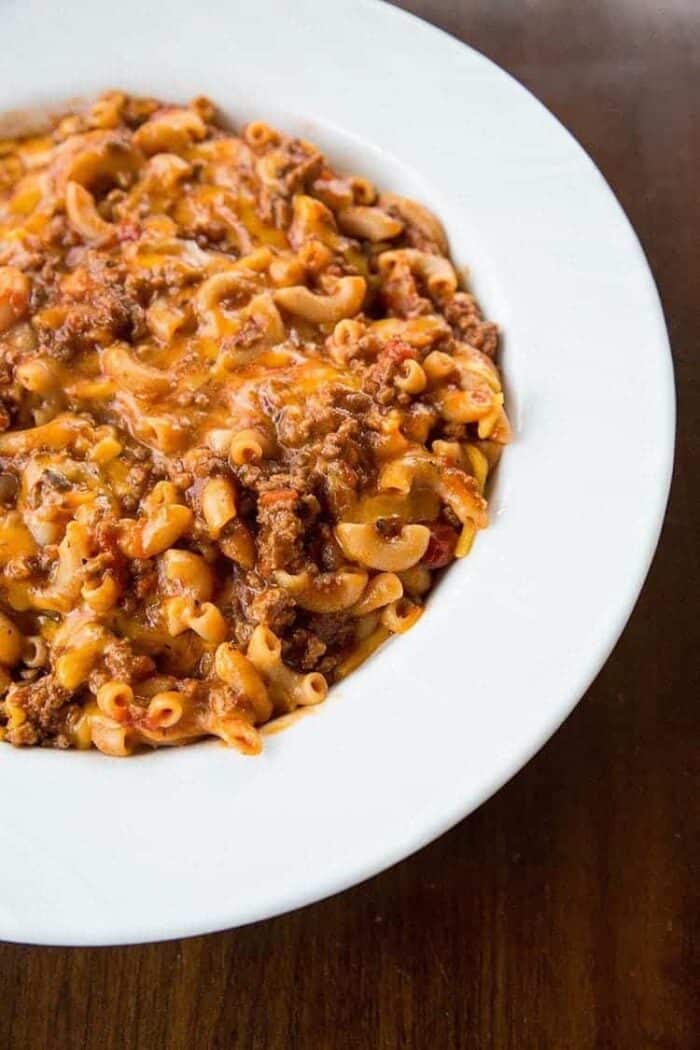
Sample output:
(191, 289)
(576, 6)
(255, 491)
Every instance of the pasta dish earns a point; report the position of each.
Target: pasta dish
(247, 413)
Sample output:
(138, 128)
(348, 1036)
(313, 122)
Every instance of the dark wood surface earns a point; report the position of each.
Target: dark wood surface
(565, 912)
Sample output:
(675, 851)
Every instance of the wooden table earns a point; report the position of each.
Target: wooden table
(565, 912)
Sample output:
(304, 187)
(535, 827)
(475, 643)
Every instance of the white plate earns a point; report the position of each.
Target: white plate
(97, 850)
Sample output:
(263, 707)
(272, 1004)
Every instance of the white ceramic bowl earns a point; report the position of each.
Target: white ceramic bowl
(97, 850)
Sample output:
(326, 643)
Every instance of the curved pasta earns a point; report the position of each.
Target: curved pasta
(120, 364)
(416, 580)
(472, 362)
(265, 649)
(11, 641)
(189, 572)
(411, 377)
(249, 446)
(439, 366)
(106, 111)
(258, 260)
(110, 737)
(365, 545)
(164, 433)
(238, 544)
(478, 399)
(209, 623)
(35, 651)
(237, 671)
(458, 490)
(37, 375)
(237, 284)
(286, 271)
(170, 131)
(382, 589)
(97, 160)
(287, 689)
(372, 224)
(164, 319)
(218, 501)
(84, 216)
(418, 216)
(344, 301)
(101, 595)
(419, 332)
(205, 619)
(326, 592)
(83, 651)
(114, 700)
(437, 271)
(312, 220)
(314, 256)
(69, 571)
(259, 134)
(469, 404)
(399, 616)
(164, 528)
(235, 731)
(165, 170)
(164, 710)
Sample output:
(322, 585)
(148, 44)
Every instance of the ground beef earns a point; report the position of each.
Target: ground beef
(323, 548)
(246, 336)
(335, 630)
(379, 381)
(105, 539)
(82, 327)
(303, 650)
(281, 530)
(121, 662)
(331, 445)
(304, 166)
(140, 480)
(144, 580)
(463, 313)
(324, 460)
(273, 607)
(42, 701)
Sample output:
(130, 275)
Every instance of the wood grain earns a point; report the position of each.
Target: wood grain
(565, 912)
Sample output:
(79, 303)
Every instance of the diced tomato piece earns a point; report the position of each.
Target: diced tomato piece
(441, 546)
(278, 496)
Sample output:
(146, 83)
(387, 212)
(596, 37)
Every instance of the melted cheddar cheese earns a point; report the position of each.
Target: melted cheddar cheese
(246, 414)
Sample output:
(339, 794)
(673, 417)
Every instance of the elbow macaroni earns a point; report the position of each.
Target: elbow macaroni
(247, 414)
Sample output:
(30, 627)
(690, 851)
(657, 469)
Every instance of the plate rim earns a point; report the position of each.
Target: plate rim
(412, 841)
